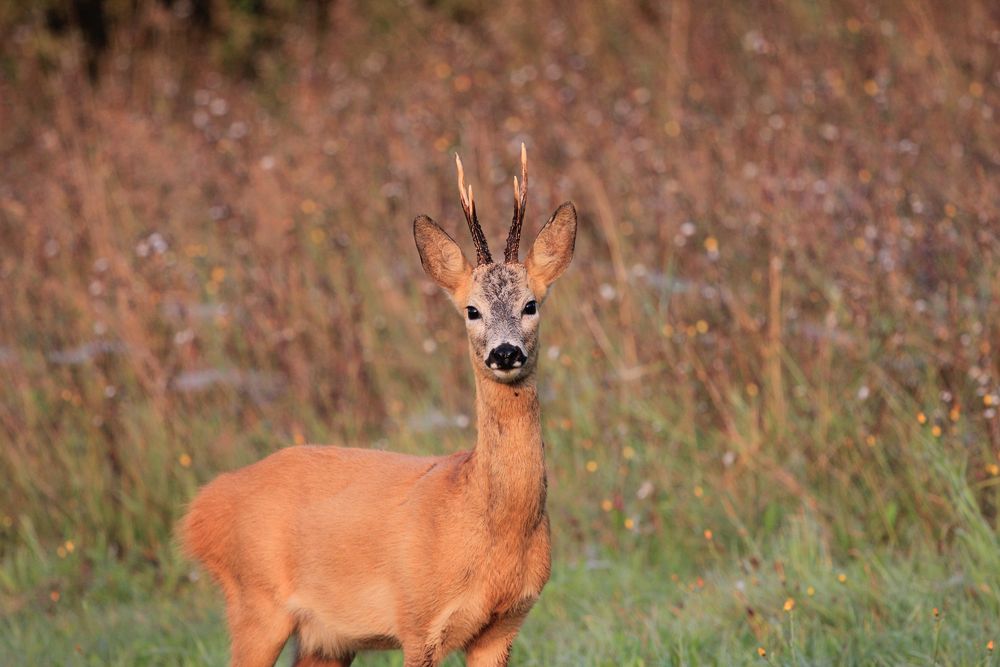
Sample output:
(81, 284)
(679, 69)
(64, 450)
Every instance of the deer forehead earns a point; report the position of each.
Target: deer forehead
(500, 287)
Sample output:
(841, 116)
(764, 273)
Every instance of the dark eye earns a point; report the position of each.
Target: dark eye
(530, 308)
(472, 312)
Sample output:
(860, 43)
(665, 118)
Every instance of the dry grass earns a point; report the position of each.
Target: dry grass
(784, 301)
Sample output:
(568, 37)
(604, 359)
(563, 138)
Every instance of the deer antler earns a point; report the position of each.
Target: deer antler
(520, 202)
(469, 206)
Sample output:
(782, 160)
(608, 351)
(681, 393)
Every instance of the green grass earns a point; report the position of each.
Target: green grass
(616, 609)
(645, 595)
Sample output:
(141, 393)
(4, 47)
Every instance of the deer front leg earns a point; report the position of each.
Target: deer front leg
(491, 647)
(422, 655)
(317, 660)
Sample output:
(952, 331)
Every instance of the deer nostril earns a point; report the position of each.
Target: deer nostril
(505, 357)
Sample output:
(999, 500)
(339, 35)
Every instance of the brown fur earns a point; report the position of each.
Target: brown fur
(358, 549)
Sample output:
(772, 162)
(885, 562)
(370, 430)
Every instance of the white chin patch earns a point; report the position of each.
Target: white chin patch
(506, 375)
(517, 364)
(494, 366)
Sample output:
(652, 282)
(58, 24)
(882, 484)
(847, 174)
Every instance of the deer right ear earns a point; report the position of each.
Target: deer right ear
(441, 257)
(552, 250)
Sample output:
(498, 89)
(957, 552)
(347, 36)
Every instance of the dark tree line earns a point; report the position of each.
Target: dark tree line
(96, 20)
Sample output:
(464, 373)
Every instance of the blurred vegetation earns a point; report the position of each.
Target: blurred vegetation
(774, 360)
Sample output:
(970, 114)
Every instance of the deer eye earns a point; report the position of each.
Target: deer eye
(530, 308)
(472, 312)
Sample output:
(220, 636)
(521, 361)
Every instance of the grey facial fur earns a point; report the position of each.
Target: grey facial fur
(500, 292)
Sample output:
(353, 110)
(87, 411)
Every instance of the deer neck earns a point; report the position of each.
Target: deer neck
(509, 459)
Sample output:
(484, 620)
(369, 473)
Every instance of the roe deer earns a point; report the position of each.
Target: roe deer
(358, 549)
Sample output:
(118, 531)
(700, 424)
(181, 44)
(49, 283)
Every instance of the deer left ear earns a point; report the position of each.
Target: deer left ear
(441, 257)
(552, 250)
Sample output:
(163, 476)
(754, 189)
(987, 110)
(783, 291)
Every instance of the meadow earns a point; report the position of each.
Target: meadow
(770, 378)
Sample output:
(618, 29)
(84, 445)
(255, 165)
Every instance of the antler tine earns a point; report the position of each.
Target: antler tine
(520, 202)
(469, 207)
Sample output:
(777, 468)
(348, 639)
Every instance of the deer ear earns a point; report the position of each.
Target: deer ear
(441, 257)
(552, 250)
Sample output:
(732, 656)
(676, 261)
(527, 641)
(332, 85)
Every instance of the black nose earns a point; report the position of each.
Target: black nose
(505, 357)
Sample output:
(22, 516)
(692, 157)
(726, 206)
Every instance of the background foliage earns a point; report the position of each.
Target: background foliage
(771, 374)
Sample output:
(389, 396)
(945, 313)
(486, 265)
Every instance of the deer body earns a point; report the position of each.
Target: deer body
(358, 549)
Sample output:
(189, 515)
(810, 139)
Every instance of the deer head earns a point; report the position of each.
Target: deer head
(501, 303)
